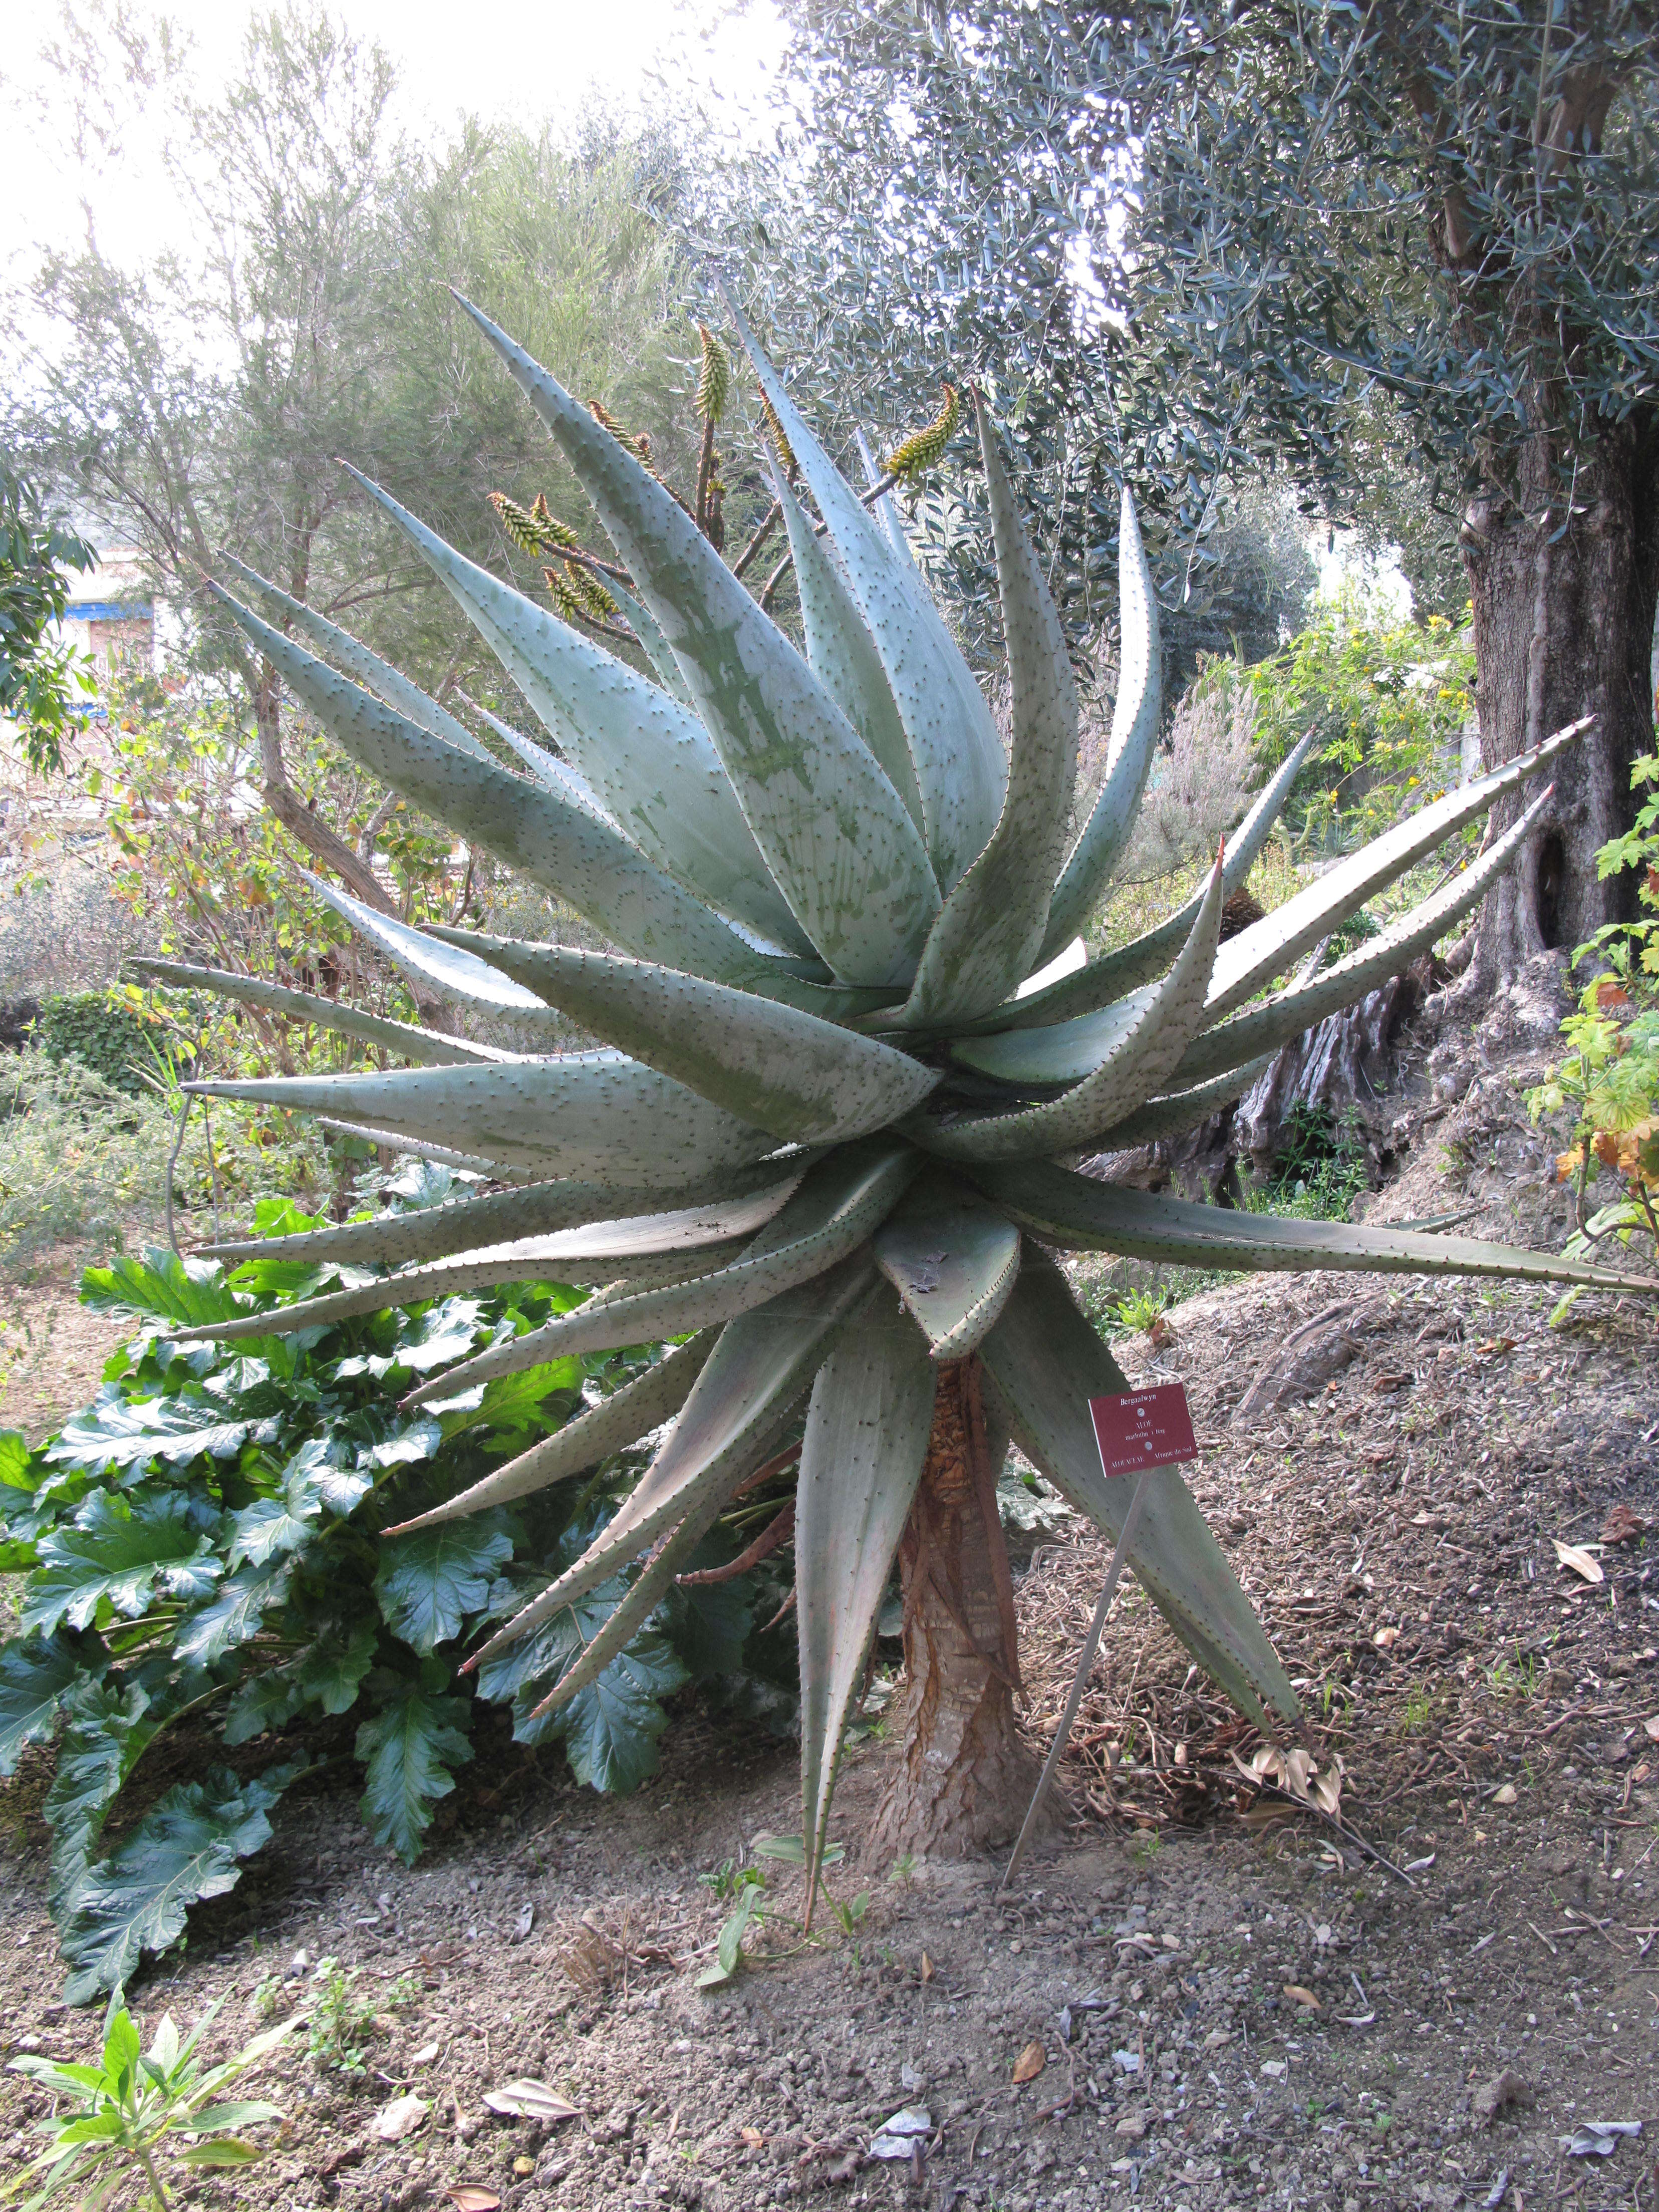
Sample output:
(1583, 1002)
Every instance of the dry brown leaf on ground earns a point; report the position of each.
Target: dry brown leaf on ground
(399, 2119)
(530, 2100)
(1580, 1561)
(465, 2197)
(1030, 2064)
(1622, 1526)
(1305, 1998)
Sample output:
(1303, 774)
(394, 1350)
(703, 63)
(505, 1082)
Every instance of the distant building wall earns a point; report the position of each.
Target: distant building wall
(111, 613)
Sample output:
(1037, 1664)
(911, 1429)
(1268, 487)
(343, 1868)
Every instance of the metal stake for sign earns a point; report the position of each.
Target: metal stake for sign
(1090, 1646)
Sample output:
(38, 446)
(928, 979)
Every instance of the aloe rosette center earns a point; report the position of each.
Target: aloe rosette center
(823, 1146)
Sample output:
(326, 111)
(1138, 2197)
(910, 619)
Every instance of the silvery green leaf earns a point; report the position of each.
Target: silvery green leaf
(394, 1140)
(952, 1260)
(1135, 715)
(616, 1421)
(842, 652)
(993, 920)
(1268, 946)
(592, 1114)
(1111, 975)
(1081, 1215)
(1136, 1060)
(867, 1427)
(692, 1216)
(1044, 1362)
(833, 832)
(1167, 1116)
(551, 840)
(655, 646)
(805, 1079)
(1264, 1028)
(647, 757)
(547, 766)
(430, 1046)
(960, 767)
(378, 676)
(437, 962)
(837, 1207)
(739, 1406)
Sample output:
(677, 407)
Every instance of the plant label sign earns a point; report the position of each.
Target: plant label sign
(1138, 1429)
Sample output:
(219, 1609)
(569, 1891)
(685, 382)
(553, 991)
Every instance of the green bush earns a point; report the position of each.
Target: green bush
(109, 1037)
(202, 1545)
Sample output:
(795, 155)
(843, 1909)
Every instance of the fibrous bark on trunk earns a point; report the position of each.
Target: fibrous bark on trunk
(1563, 607)
(963, 1776)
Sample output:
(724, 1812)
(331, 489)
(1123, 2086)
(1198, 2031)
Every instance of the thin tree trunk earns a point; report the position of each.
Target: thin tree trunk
(963, 1776)
(1564, 620)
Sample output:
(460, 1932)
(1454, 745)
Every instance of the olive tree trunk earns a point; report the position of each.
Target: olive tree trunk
(1564, 619)
(963, 1775)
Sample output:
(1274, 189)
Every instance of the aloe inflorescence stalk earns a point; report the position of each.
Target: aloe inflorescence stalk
(825, 1144)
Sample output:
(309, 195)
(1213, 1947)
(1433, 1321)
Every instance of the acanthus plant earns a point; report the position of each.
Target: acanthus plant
(825, 1144)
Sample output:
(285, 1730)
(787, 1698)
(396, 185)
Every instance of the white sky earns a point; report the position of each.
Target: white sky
(527, 62)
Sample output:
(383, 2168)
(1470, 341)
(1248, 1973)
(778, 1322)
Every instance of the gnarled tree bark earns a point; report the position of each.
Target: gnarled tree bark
(963, 1775)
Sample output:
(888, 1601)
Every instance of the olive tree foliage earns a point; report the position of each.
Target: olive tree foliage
(1184, 239)
(40, 676)
(197, 404)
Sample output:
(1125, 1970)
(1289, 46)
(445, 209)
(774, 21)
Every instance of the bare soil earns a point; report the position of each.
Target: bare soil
(1236, 2000)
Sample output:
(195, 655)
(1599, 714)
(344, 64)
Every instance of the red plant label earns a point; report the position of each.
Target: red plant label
(1138, 1429)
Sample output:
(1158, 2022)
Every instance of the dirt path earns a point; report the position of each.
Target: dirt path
(1236, 2003)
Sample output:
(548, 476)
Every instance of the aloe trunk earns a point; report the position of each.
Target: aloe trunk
(824, 1138)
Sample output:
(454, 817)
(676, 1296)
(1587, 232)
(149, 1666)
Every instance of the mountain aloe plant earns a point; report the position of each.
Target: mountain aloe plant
(825, 1149)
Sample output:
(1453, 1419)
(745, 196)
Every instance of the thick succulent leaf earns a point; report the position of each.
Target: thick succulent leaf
(866, 1437)
(650, 1587)
(805, 1079)
(1180, 1109)
(376, 675)
(1135, 716)
(186, 1847)
(429, 1047)
(885, 512)
(584, 1115)
(1264, 1028)
(839, 1205)
(993, 920)
(1105, 979)
(1083, 1216)
(765, 977)
(1138, 1061)
(616, 1421)
(952, 1260)
(549, 838)
(411, 1748)
(547, 766)
(841, 654)
(438, 963)
(961, 769)
(1268, 946)
(736, 1205)
(833, 832)
(755, 1375)
(1046, 1363)
(648, 756)
(396, 1141)
(655, 646)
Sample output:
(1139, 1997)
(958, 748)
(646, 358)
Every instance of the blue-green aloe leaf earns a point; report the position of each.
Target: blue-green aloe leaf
(647, 757)
(833, 832)
(836, 1209)
(994, 921)
(376, 675)
(1044, 1362)
(1135, 716)
(806, 1080)
(1147, 1040)
(866, 1437)
(757, 1373)
(621, 1419)
(953, 1259)
(961, 770)
(547, 766)
(550, 839)
(429, 1047)
(582, 1114)
(1079, 1214)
